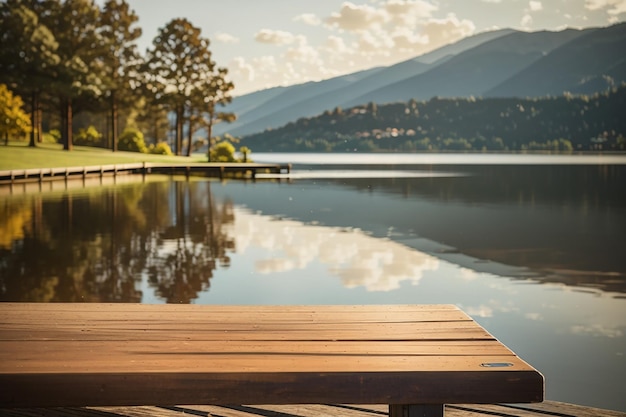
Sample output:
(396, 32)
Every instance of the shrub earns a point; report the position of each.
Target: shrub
(245, 154)
(53, 136)
(161, 148)
(222, 152)
(88, 137)
(132, 140)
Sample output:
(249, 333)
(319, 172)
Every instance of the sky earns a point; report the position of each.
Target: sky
(267, 43)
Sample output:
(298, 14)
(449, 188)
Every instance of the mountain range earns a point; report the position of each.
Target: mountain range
(502, 63)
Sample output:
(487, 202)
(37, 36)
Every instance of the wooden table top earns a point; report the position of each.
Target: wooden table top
(138, 354)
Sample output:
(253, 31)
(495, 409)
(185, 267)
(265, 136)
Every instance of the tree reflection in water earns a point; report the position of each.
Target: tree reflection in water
(93, 245)
(191, 247)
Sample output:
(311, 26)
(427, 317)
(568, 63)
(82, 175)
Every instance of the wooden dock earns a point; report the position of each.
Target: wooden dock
(215, 170)
(545, 409)
(135, 360)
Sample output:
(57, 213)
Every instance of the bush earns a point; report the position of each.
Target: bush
(222, 152)
(132, 140)
(161, 148)
(53, 136)
(245, 154)
(88, 137)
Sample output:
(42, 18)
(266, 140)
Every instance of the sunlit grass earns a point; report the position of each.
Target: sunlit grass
(18, 155)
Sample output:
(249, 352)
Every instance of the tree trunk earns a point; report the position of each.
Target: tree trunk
(39, 122)
(33, 118)
(66, 123)
(189, 136)
(209, 134)
(114, 133)
(179, 129)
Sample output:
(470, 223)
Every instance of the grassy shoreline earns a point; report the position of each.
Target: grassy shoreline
(18, 155)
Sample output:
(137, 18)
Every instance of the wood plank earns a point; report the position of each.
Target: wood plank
(566, 409)
(313, 333)
(17, 313)
(121, 354)
(222, 347)
(553, 408)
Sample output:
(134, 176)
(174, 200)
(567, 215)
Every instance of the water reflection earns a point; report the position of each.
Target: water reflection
(94, 245)
(357, 259)
(561, 224)
(99, 244)
(540, 265)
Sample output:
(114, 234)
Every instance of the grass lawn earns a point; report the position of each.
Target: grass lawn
(18, 155)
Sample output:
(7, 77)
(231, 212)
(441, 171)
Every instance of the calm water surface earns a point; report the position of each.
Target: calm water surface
(534, 251)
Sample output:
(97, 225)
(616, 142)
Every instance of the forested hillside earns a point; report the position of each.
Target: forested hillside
(504, 63)
(564, 123)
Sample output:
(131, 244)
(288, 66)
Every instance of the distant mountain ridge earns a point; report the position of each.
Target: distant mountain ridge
(504, 63)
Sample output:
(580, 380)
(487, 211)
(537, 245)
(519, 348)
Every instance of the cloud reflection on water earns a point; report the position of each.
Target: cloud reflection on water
(359, 260)
(344, 174)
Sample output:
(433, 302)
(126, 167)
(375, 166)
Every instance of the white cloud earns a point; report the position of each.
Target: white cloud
(226, 38)
(527, 20)
(597, 330)
(407, 40)
(535, 6)
(308, 18)
(614, 7)
(381, 32)
(356, 18)
(409, 12)
(336, 45)
(534, 316)
(303, 52)
(480, 311)
(275, 37)
(370, 43)
(241, 69)
(443, 31)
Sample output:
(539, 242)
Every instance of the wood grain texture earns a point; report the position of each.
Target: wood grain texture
(547, 408)
(131, 354)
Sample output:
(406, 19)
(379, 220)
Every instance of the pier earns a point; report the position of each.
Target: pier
(214, 170)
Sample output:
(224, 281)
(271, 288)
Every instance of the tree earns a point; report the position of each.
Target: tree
(149, 117)
(176, 65)
(78, 75)
(28, 55)
(13, 120)
(216, 93)
(120, 57)
(244, 151)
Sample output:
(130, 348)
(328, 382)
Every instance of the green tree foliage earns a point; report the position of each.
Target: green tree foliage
(554, 124)
(151, 118)
(161, 148)
(177, 65)
(81, 55)
(89, 137)
(215, 93)
(14, 122)
(120, 57)
(78, 76)
(28, 55)
(132, 140)
(52, 136)
(223, 152)
(245, 152)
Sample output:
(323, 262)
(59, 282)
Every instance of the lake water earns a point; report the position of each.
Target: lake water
(532, 247)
